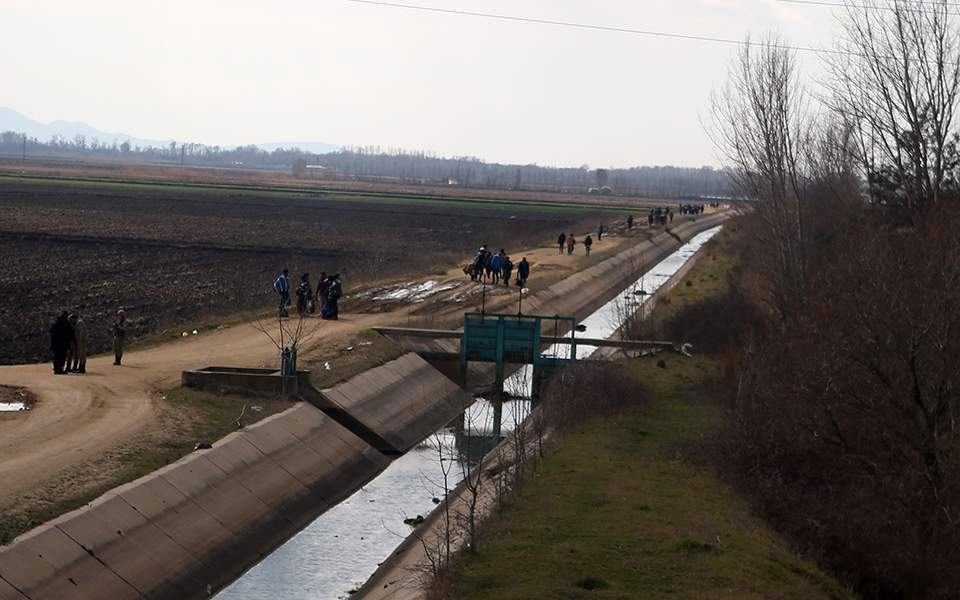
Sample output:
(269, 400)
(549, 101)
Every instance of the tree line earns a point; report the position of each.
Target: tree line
(842, 339)
(424, 167)
(394, 165)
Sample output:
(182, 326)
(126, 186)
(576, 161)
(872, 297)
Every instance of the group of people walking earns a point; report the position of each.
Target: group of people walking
(324, 300)
(692, 209)
(497, 268)
(69, 337)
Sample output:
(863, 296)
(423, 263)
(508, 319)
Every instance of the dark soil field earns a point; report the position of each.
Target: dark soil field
(175, 255)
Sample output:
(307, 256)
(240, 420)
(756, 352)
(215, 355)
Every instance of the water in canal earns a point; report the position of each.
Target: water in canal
(343, 547)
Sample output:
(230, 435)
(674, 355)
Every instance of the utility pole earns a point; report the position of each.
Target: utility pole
(23, 149)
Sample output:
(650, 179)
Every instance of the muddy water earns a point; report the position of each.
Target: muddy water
(343, 547)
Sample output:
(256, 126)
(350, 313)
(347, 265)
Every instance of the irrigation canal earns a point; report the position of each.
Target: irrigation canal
(338, 551)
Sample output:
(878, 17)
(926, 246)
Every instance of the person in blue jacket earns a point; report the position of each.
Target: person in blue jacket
(282, 287)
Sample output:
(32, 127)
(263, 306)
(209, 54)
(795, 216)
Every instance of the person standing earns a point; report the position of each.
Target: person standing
(561, 241)
(119, 331)
(332, 311)
(304, 293)
(60, 339)
(80, 339)
(495, 266)
(571, 243)
(600, 233)
(323, 288)
(282, 287)
(523, 271)
(587, 242)
(72, 350)
(629, 222)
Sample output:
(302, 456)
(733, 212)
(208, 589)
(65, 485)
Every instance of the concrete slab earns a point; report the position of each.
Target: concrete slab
(8, 592)
(46, 564)
(130, 546)
(220, 496)
(402, 401)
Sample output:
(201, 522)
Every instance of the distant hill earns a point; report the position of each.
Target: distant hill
(11, 120)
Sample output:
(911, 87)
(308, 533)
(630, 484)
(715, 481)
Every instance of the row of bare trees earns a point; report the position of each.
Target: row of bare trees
(373, 163)
(843, 392)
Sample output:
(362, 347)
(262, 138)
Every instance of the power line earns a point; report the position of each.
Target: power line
(611, 28)
(874, 6)
(608, 28)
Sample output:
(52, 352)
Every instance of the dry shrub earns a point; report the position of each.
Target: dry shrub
(586, 390)
(845, 423)
(714, 324)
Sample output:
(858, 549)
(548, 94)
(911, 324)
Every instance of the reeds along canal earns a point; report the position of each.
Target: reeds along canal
(338, 551)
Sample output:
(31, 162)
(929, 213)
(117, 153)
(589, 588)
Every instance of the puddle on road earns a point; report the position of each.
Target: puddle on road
(342, 548)
(15, 399)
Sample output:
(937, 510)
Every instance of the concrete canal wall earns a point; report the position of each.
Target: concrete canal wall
(187, 530)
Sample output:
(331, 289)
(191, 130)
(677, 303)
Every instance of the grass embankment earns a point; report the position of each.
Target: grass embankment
(623, 509)
(187, 417)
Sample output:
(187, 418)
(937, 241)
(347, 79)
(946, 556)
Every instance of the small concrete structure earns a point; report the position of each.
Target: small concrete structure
(261, 382)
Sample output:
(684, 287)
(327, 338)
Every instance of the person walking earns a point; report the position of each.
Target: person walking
(587, 242)
(60, 338)
(523, 271)
(507, 268)
(561, 241)
(629, 222)
(571, 243)
(304, 293)
(80, 343)
(282, 287)
(119, 331)
(600, 233)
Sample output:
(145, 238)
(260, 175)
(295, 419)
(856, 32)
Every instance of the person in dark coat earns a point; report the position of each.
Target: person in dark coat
(600, 231)
(630, 222)
(562, 241)
(523, 271)
(587, 242)
(507, 267)
(61, 337)
(332, 311)
(119, 331)
(323, 288)
(304, 293)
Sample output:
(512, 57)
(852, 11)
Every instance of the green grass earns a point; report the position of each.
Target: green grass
(190, 417)
(708, 278)
(424, 200)
(618, 511)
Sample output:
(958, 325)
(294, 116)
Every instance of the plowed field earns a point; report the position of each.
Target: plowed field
(171, 255)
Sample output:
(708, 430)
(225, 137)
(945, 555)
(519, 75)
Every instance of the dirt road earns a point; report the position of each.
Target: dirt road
(78, 418)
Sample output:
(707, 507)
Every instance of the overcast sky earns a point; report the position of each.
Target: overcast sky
(334, 71)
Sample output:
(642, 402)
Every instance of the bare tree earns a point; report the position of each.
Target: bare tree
(762, 127)
(895, 81)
